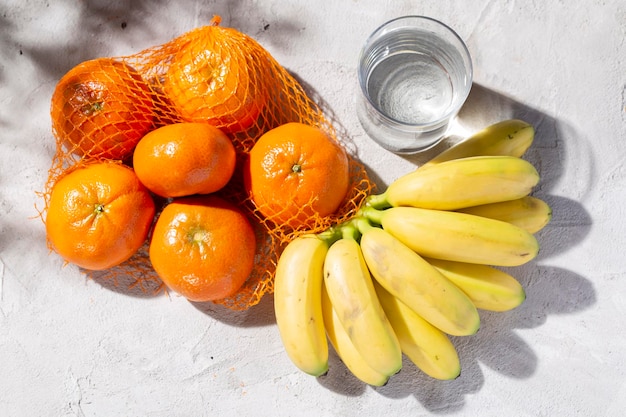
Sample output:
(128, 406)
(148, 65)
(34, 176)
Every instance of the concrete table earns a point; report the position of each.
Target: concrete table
(71, 346)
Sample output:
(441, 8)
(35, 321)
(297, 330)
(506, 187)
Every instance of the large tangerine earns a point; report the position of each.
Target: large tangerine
(101, 108)
(216, 78)
(183, 159)
(296, 173)
(203, 247)
(99, 215)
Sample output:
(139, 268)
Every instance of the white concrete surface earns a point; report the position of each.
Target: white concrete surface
(70, 346)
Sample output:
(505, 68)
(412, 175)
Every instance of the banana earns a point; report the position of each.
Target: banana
(351, 292)
(457, 236)
(530, 213)
(460, 183)
(425, 345)
(509, 137)
(298, 303)
(345, 349)
(418, 284)
(488, 288)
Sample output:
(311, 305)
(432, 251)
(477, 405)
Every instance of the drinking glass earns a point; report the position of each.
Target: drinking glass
(414, 73)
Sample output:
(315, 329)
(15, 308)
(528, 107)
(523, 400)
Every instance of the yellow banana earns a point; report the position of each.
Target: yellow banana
(351, 292)
(298, 303)
(424, 344)
(461, 183)
(457, 236)
(530, 213)
(418, 284)
(488, 288)
(345, 349)
(509, 137)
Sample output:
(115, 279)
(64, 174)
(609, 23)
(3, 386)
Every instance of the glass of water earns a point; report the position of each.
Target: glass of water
(415, 73)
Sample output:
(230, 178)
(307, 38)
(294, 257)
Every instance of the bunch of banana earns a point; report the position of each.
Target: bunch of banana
(416, 264)
(368, 323)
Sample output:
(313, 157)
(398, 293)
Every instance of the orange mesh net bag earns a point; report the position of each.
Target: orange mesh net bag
(214, 75)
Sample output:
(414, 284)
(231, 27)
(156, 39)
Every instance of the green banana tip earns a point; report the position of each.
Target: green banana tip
(330, 235)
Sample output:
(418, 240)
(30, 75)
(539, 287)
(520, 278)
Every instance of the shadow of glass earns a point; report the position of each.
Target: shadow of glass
(555, 143)
(553, 137)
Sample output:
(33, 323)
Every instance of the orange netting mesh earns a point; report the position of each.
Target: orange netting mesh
(212, 74)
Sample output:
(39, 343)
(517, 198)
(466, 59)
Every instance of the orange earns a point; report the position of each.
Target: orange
(296, 172)
(183, 159)
(101, 108)
(214, 78)
(203, 247)
(99, 215)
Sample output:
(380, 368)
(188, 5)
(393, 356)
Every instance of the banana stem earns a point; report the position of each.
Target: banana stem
(372, 215)
(350, 231)
(378, 201)
(363, 224)
(346, 230)
(331, 235)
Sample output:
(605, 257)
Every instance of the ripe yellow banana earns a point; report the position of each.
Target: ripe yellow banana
(345, 349)
(530, 213)
(488, 288)
(509, 137)
(457, 236)
(461, 183)
(425, 345)
(298, 303)
(418, 284)
(351, 292)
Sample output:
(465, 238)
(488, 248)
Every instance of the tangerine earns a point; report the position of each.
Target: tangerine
(295, 173)
(182, 159)
(214, 78)
(99, 215)
(203, 247)
(101, 108)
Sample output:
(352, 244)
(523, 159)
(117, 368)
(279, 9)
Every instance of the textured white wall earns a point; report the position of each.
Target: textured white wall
(70, 346)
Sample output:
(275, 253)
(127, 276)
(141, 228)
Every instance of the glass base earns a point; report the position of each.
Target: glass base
(399, 141)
